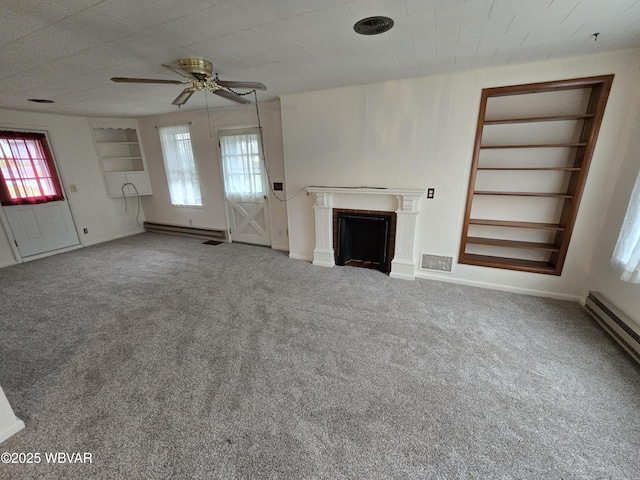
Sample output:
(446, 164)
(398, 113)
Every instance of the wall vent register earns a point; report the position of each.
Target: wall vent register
(532, 152)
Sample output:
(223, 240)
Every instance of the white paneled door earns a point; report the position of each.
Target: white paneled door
(245, 186)
(249, 222)
(42, 227)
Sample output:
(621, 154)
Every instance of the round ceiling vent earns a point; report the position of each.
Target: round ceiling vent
(373, 25)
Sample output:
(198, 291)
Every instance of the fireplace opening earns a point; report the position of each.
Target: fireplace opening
(364, 239)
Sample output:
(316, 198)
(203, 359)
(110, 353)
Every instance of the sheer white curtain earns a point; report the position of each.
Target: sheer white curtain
(180, 166)
(240, 151)
(626, 256)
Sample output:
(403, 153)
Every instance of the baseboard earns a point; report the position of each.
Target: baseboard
(112, 238)
(52, 252)
(220, 234)
(11, 430)
(8, 264)
(615, 322)
(300, 257)
(495, 286)
(401, 276)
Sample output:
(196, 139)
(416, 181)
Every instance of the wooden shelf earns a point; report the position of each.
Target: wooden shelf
(513, 224)
(552, 118)
(541, 145)
(580, 103)
(510, 263)
(565, 169)
(525, 194)
(498, 242)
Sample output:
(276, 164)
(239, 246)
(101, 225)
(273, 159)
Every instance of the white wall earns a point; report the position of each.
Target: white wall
(158, 207)
(603, 277)
(419, 133)
(75, 155)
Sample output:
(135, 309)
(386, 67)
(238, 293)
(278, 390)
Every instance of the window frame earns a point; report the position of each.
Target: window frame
(238, 131)
(170, 171)
(42, 144)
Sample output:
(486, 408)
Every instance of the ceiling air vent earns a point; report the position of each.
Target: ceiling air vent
(373, 25)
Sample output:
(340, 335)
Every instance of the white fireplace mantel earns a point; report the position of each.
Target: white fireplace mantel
(404, 202)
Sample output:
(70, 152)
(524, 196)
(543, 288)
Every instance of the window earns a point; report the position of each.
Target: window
(240, 151)
(626, 255)
(180, 166)
(27, 170)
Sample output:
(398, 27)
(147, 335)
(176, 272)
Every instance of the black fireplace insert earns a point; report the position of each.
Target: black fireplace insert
(363, 240)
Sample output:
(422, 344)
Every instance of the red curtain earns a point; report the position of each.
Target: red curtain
(27, 170)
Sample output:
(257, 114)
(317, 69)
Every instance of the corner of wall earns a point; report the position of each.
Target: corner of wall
(9, 423)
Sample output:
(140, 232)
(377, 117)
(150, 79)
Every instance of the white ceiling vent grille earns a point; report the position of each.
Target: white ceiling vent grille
(373, 25)
(436, 262)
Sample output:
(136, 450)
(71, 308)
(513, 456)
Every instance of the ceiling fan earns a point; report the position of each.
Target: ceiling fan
(199, 76)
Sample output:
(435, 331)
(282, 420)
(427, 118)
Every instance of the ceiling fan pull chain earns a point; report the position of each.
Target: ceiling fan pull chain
(206, 101)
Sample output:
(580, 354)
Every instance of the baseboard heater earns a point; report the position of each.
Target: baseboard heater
(206, 233)
(624, 330)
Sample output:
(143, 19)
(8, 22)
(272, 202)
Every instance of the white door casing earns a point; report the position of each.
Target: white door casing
(245, 185)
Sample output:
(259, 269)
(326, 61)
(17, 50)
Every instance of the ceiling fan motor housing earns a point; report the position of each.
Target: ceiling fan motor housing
(196, 65)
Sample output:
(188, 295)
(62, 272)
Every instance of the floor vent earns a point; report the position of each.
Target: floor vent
(206, 233)
(436, 262)
(615, 322)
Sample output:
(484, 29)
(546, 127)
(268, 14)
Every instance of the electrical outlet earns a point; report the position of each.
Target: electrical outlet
(277, 186)
(190, 222)
(85, 230)
(431, 192)
(73, 188)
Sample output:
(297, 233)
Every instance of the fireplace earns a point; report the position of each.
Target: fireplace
(364, 238)
(401, 204)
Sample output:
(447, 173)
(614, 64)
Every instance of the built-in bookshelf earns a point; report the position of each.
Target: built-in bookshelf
(531, 157)
(121, 157)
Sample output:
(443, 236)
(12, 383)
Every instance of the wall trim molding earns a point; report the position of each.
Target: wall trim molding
(495, 286)
(11, 430)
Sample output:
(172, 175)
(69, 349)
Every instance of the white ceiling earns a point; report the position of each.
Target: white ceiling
(67, 50)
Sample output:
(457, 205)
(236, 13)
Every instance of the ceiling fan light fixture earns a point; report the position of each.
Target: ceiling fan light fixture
(373, 25)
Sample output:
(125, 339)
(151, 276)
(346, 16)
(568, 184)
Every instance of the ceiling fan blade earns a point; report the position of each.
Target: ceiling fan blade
(183, 97)
(232, 84)
(180, 72)
(145, 80)
(231, 96)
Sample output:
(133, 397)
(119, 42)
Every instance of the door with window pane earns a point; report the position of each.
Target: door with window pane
(31, 195)
(245, 185)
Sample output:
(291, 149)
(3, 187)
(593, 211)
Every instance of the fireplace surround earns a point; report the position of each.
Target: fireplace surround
(404, 203)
